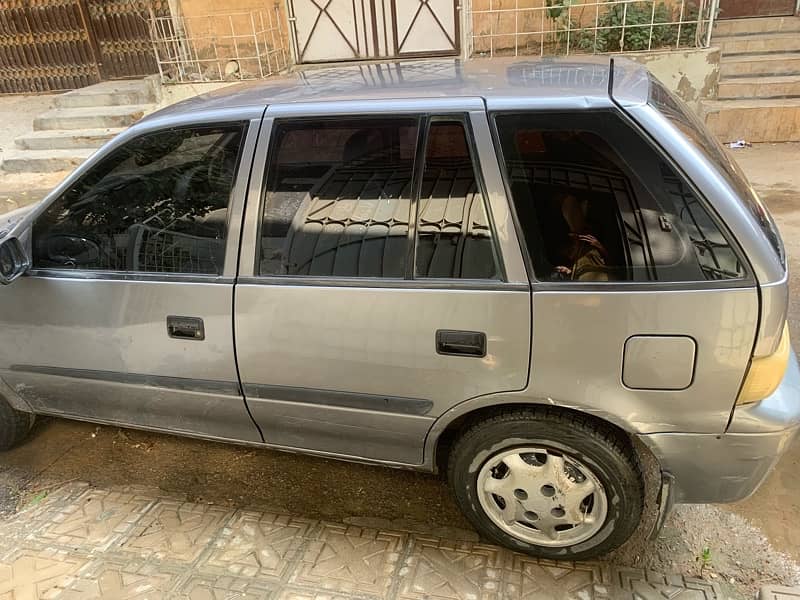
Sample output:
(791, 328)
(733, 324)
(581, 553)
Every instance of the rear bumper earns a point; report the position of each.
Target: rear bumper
(731, 466)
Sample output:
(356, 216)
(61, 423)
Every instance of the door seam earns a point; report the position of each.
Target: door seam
(236, 280)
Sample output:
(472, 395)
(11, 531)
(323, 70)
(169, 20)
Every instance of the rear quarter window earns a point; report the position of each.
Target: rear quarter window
(681, 116)
(597, 203)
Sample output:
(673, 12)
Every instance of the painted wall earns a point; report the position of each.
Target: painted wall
(692, 74)
(236, 30)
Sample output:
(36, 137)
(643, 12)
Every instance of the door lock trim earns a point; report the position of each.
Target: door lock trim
(452, 342)
(186, 328)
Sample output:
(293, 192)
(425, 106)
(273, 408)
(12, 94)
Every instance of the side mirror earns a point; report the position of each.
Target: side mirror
(14, 261)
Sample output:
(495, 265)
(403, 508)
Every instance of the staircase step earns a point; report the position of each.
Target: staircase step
(759, 44)
(91, 117)
(787, 63)
(108, 93)
(755, 26)
(66, 138)
(754, 120)
(785, 86)
(43, 161)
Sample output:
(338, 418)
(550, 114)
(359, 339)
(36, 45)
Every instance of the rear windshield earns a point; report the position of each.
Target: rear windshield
(684, 119)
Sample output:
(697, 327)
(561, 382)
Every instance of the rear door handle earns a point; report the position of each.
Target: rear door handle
(460, 343)
(186, 328)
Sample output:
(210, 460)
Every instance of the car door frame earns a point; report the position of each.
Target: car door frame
(508, 245)
(216, 416)
(507, 241)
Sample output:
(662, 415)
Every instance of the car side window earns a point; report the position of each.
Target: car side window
(454, 239)
(338, 198)
(597, 203)
(157, 204)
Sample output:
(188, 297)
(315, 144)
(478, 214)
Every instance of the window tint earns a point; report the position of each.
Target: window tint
(157, 204)
(338, 198)
(453, 234)
(597, 203)
(696, 132)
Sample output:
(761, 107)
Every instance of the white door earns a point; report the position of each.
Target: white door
(334, 30)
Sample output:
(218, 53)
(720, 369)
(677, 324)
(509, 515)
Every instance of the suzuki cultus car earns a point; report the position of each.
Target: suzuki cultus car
(525, 275)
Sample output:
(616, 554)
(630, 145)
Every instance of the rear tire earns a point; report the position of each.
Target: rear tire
(14, 425)
(552, 484)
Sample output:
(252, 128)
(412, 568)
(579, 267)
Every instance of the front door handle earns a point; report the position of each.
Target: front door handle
(186, 328)
(460, 343)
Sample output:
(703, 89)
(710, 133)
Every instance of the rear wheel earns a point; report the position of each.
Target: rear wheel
(548, 483)
(14, 425)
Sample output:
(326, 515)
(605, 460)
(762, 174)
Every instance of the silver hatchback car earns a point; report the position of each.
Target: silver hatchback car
(525, 274)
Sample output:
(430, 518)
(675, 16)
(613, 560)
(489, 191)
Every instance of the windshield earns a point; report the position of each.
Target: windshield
(695, 131)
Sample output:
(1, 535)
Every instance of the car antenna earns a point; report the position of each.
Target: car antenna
(610, 77)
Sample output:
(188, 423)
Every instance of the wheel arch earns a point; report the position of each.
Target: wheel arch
(446, 428)
(16, 402)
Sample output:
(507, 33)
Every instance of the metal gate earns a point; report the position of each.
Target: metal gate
(331, 30)
(45, 46)
(122, 36)
(55, 45)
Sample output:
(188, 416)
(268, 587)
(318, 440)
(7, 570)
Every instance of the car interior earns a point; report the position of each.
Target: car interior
(102, 223)
(550, 168)
(347, 212)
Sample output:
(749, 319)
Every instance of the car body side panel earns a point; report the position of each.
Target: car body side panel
(579, 363)
(94, 344)
(100, 348)
(377, 344)
(767, 268)
(731, 466)
(349, 366)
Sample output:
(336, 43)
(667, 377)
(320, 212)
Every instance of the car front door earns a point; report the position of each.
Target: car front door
(125, 316)
(381, 279)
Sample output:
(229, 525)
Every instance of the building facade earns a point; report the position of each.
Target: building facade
(53, 45)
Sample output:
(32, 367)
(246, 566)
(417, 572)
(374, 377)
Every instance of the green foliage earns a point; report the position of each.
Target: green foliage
(555, 8)
(704, 559)
(626, 27)
(37, 498)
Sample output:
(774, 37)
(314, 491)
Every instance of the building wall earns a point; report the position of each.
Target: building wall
(235, 30)
(692, 74)
(530, 27)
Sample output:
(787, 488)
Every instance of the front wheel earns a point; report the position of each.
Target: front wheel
(552, 484)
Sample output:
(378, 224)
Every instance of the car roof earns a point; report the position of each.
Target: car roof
(569, 81)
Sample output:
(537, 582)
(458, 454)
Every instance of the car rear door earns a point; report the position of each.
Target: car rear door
(381, 281)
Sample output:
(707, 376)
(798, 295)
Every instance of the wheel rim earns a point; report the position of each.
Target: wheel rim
(542, 496)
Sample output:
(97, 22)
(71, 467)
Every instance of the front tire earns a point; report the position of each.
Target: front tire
(548, 483)
(14, 425)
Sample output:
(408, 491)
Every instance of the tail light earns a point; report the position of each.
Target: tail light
(765, 373)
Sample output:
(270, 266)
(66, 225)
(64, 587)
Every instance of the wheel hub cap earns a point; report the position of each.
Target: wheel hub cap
(542, 496)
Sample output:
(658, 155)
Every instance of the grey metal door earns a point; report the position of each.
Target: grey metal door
(333, 30)
(99, 349)
(342, 347)
(126, 315)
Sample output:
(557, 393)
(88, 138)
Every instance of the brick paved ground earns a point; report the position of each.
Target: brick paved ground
(83, 543)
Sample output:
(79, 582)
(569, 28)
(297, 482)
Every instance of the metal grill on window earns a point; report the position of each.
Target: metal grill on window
(160, 251)
(716, 257)
(454, 233)
(591, 179)
(354, 223)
